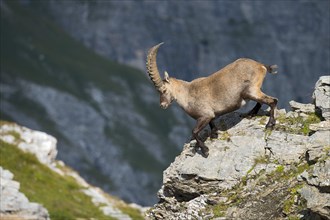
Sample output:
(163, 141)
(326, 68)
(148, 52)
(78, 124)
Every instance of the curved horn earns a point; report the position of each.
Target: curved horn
(152, 68)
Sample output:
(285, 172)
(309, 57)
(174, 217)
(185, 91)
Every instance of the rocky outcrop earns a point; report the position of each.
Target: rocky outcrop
(36, 142)
(317, 190)
(321, 96)
(253, 173)
(14, 204)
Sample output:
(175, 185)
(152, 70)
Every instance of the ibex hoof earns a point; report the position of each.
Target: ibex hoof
(214, 135)
(205, 152)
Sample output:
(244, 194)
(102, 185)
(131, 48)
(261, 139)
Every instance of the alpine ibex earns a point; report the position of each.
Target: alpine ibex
(208, 97)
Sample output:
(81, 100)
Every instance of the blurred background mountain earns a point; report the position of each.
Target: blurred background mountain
(75, 69)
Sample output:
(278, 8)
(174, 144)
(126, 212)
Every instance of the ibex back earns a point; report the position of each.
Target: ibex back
(208, 97)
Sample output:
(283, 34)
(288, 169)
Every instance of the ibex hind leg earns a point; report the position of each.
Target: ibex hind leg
(214, 129)
(260, 97)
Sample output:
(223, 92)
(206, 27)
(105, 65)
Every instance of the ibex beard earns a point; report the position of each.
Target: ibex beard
(222, 92)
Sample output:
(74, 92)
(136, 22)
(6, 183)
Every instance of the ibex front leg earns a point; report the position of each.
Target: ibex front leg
(201, 123)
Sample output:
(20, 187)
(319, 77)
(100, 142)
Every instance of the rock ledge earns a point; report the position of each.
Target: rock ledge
(253, 173)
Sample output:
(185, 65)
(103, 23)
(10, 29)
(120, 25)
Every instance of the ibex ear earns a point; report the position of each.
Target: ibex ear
(166, 77)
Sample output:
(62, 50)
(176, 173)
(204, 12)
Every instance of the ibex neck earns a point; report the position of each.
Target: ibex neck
(180, 92)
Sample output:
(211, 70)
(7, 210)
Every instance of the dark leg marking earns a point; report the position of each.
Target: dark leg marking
(255, 110)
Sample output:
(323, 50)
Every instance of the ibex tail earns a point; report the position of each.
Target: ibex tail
(271, 69)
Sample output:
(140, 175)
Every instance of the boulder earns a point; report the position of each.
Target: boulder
(317, 190)
(321, 126)
(300, 107)
(321, 96)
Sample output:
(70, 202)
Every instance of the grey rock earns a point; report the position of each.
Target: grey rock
(317, 202)
(320, 138)
(14, 204)
(320, 176)
(321, 96)
(5, 174)
(300, 107)
(293, 114)
(314, 153)
(317, 190)
(322, 126)
(36, 142)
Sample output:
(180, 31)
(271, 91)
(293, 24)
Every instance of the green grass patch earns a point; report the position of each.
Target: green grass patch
(296, 125)
(60, 195)
(293, 217)
(280, 172)
(280, 169)
(219, 210)
(326, 149)
(261, 159)
(289, 205)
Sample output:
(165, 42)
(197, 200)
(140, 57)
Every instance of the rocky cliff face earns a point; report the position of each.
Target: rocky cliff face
(203, 36)
(252, 173)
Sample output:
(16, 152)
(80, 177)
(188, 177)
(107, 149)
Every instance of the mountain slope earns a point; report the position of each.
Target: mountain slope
(104, 115)
(29, 172)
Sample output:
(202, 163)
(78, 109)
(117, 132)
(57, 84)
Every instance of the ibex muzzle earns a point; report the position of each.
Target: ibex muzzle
(208, 97)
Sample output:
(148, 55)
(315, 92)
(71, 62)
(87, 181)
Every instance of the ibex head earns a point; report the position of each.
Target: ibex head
(163, 86)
